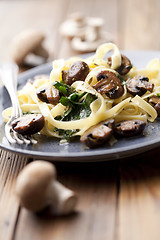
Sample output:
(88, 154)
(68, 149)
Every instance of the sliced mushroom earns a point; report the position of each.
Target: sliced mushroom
(41, 94)
(98, 134)
(125, 65)
(64, 75)
(157, 108)
(156, 101)
(139, 85)
(109, 84)
(78, 71)
(129, 128)
(49, 95)
(28, 124)
(53, 95)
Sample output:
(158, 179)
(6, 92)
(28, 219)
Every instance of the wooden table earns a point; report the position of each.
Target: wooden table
(118, 199)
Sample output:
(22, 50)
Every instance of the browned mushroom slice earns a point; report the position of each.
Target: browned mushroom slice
(98, 134)
(53, 95)
(129, 128)
(49, 95)
(139, 85)
(28, 124)
(64, 75)
(156, 101)
(77, 72)
(41, 94)
(125, 65)
(109, 84)
(157, 108)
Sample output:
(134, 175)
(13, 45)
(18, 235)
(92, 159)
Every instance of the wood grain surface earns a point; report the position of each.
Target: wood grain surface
(118, 200)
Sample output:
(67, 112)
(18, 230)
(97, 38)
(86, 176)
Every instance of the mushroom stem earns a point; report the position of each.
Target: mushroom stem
(41, 51)
(94, 33)
(94, 26)
(61, 198)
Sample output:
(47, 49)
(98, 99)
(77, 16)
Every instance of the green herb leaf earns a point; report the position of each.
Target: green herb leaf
(67, 134)
(64, 88)
(75, 97)
(65, 101)
(79, 111)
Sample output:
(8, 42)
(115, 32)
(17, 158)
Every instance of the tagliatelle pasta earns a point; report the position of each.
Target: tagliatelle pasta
(100, 107)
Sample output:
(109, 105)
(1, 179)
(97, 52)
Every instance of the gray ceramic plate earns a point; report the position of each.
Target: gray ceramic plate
(49, 148)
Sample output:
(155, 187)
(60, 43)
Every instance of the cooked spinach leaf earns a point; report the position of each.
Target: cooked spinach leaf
(76, 112)
(78, 108)
(67, 134)
(65, 89)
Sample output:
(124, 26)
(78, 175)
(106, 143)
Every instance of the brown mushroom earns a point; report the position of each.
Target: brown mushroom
(125, 65)
(129, 128)
(28, 124)
(41, 94)
(98, 134)
(53, 95)
(28, 41)
(49, 95)
(156, 102)
(109, 84)
(37, 189)
(64, 75)
(139, 85)
(157, 108)
(77, 72)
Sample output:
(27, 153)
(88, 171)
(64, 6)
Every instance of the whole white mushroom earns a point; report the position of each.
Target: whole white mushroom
(37, 188)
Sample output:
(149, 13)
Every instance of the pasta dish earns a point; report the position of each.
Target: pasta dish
(94, 98)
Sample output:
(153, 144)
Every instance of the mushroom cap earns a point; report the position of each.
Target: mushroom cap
(32, 184)
(95, 21)
(24, 43)
(73, 26)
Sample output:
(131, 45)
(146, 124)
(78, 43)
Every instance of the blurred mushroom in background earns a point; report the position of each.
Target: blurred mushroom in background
(85, 33)
(27, 48)
(74, 26)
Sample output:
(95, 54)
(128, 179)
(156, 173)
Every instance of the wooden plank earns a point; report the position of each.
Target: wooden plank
(139, 211)
(95, 216)
(10, 165)
(139, 24)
